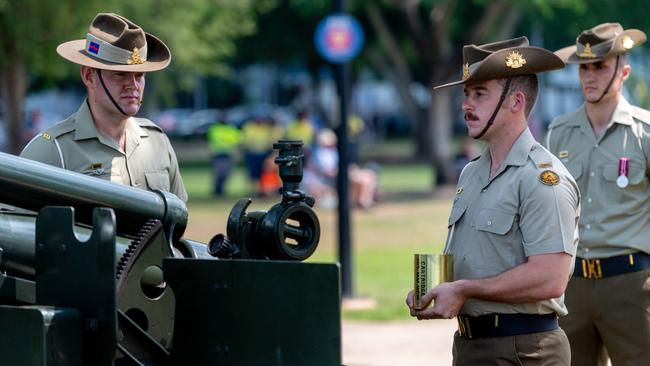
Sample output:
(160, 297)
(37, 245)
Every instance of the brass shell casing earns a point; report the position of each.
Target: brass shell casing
(429, 271)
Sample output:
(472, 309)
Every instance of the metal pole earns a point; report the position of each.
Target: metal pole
(345, 242)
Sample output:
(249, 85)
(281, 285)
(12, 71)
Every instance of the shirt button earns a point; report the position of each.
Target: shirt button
(591, 174)
(586, 249)
(589, 199)
(484, 190)
(489, 222)
(588, 226)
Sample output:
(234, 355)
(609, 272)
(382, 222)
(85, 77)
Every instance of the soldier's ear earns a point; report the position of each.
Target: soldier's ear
(517, 102)
(87, 76)
(626, 70)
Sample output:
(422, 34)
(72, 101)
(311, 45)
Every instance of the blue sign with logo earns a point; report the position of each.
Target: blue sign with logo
(339, 38)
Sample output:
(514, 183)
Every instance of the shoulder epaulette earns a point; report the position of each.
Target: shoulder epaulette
(559, 120)
(641, 114)
(542, 158)
(59, 129)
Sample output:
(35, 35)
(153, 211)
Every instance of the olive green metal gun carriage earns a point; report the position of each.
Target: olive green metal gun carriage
(95, 273)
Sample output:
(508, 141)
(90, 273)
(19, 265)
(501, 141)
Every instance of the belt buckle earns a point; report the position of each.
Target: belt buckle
(463, 326)
(591, 268)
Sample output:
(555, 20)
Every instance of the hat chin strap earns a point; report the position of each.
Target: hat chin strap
(504, 93)
(610, 81)
(99, 73)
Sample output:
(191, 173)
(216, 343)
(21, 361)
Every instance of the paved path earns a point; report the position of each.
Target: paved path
(404, 343)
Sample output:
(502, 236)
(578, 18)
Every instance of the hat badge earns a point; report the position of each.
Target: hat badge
(587, 53)
(135, 59)
(515, 60)
(465, 71)
(627, 42)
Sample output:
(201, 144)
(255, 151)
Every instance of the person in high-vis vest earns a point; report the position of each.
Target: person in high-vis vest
(103, 138)
(223, 141)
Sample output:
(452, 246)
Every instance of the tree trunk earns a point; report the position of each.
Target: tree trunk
(13, 88)
(440, 133)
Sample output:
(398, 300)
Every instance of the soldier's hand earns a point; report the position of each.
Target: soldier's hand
(448, 299)
(409, 302)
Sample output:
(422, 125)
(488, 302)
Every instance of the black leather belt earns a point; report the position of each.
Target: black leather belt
(505, 325)
(612, 266)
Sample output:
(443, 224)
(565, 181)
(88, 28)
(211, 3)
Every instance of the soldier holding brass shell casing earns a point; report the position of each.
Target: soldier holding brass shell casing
(605, 144)
(103, 138)
(513, 225)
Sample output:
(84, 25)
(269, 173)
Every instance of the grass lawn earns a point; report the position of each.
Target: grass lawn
(384, 238)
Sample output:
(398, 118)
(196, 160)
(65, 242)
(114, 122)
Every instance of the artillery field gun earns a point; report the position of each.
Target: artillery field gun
(101, 275)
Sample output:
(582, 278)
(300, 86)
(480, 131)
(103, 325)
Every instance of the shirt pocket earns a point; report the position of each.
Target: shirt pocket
(636, 173)
(494, 221)
(158, 180)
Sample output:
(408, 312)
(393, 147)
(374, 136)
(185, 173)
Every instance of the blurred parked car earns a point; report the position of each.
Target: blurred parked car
(201, 120)
(175, 122)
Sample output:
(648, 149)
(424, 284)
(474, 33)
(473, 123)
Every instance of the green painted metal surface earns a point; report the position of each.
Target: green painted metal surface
(40, 336)
(248, 312)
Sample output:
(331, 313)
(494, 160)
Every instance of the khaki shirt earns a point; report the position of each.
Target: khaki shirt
(496, 224)
(149, 161)
(615, 220)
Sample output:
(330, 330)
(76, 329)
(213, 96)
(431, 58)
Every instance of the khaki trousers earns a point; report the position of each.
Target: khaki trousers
(609, 315)
(537, 349)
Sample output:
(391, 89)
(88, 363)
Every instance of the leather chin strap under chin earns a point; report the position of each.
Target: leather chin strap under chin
(504, 93)
(610, 81)
(99, 73)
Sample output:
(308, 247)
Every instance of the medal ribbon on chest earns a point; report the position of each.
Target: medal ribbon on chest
(622, 181)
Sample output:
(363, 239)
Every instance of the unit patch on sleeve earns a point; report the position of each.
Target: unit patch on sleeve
(549, 177)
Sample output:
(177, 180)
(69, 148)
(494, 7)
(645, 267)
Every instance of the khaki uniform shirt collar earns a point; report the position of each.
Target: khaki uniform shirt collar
(134, 133)
(623, 113)
(85, 129)
(517, 156)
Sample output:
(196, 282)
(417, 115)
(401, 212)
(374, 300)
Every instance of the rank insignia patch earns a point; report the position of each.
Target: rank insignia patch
(545, 165)
(550, 178)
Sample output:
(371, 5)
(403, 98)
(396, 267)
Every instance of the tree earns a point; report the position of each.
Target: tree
(200, 34)
(438, 28)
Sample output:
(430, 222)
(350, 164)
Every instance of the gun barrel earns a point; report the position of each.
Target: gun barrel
(18, 243)
(33, 185)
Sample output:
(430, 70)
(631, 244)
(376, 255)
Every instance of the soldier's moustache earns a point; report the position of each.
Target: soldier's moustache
(470, 117)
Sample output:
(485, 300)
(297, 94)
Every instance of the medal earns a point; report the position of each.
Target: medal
(622, 180)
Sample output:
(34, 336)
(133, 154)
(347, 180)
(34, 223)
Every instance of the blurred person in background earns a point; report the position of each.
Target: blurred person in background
(605, 144)
(258, 136)
(322, 171)
(223, 141)
(103, 138)
(302, 129)
(513, 224)
(469, 150)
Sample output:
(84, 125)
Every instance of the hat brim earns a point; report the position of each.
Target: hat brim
(158, 56)
(569, 54)
(494, 66)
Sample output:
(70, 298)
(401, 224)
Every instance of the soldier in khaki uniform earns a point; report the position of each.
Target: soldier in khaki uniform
(103, 138)
(605, 144)
(513, 225)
